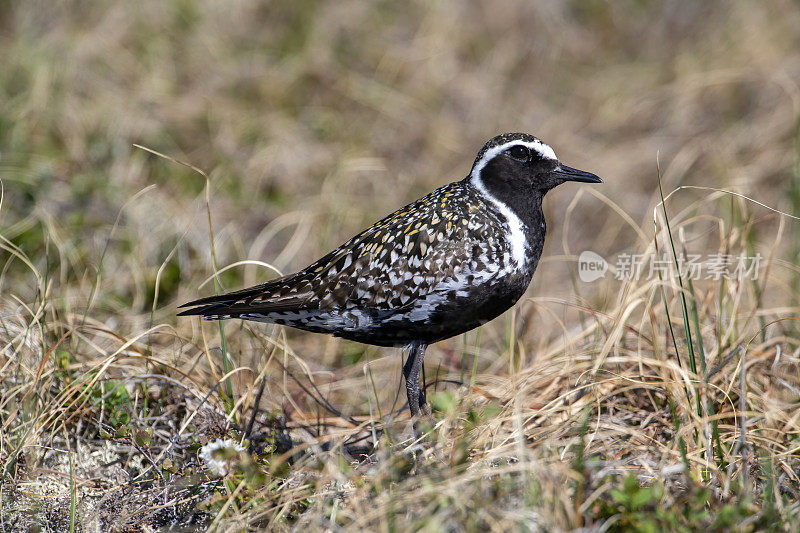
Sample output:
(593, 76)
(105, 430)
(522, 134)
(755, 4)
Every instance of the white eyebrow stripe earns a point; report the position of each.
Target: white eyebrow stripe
(542, 148)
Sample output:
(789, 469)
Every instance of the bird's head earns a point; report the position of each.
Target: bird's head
(518, 163)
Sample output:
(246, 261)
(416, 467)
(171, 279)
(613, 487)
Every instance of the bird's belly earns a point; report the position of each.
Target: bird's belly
(442, 314)
(449, 309)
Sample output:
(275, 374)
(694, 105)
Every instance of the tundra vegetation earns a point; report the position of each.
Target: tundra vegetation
(662, 395)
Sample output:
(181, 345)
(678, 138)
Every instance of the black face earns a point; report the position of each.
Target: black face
(523, 168)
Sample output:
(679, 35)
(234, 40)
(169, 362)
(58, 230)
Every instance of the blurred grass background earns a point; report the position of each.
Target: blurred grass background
(332, 114)
(313, 119)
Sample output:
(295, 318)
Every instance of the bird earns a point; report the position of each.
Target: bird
(438, 267)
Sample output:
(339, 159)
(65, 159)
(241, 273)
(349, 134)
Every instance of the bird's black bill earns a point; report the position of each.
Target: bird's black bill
(573, 174)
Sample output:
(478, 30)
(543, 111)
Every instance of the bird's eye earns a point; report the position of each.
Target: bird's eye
(519, 152)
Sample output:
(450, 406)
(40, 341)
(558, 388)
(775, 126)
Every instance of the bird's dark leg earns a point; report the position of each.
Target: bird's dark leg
(411, 370)
(423, 404)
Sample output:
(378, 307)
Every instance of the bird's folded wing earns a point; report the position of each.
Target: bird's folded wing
(417, 250)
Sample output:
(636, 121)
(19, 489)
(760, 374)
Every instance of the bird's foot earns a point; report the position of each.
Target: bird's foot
(424, 406)
(422, 424)
(425, 410)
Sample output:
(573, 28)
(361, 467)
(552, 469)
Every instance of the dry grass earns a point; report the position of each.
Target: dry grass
(579, 409)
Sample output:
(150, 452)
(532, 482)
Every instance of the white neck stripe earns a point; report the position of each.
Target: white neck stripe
(515, 225)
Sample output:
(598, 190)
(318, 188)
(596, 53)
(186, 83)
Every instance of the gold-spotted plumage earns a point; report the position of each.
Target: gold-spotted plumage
(382, 269)
(435, 268)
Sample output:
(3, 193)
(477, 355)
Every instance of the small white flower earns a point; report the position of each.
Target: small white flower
(213, 454)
